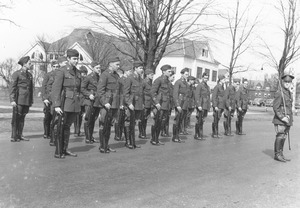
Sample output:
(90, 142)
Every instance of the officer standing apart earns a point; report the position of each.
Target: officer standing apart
(88, 90)
(66, 98)
(230, 103)
(191, 101)
(161, 94)
(242, 106)
(21, 97)
(134, 102)
(181, 105)
(108, 93)
(283, 118)
(202, 99)
(46, 100)
(218, 105)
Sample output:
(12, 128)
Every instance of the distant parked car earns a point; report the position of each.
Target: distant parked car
(269, 102)
(259, 102)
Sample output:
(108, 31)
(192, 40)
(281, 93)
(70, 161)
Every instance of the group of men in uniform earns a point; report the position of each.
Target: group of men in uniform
(124, 99)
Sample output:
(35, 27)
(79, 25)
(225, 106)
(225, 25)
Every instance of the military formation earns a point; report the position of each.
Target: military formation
(124, 99)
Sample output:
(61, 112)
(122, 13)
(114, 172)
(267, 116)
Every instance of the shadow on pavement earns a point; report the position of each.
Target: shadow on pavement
(85, 148)
(269, 152)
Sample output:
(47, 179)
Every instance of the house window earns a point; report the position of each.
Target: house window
(32, 55)
(51, 56)
(204, 53)
(199, 72)
(173, 69)
(80, 57)
(56, 56)
(214, 76)
(207, 71)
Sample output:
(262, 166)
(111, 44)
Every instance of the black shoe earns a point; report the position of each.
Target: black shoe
(176, 140)
(51, 144)
(94, 140)
(103, 151)
(111, 150)
(45, 136)
(160, 143)
(129, 146)
(136, 146)
(68, 153)
(15, 140)
(87, 141)
(154, 143)
(197, 138)
(24, 139)
(59, 156)
(142, 136)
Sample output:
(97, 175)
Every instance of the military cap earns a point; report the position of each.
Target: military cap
(184, 70)
(221, 76)
(94, 63)
(54, 63)
(148, 71)
(287, 77)
(165, 67)
(137, 64)
(83, 69)
(113, 59)
(191, 78)
(236, 80)
(62, 59)
(72, 53)
(23, 60)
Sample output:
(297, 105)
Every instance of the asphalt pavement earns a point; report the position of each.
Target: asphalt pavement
(233, 172)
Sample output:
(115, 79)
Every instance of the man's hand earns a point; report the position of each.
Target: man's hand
(229, 108)
(92, 97)
(216, 108)
(200, 108)
(158, 106)
(107, 106)
(121, 107)
(240, 109)
(179, 109)
(131, 107)
(13, 103)
(58, 110)
(286, 119)
(47, 102)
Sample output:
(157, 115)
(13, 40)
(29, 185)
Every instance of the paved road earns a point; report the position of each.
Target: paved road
(231, 172)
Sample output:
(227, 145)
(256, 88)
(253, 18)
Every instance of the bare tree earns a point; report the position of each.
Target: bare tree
(241, 29)
(7, 68)
(148, 26)
(3, 7)
(289, 11)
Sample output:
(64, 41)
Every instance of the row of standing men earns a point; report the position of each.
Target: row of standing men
(123, 98)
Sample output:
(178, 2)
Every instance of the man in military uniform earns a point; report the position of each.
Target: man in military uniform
(78, 121)
(88, 90)
(161, 94)
(190, 101)
(66, 101)
(218, 105)
(242, 106)
(283, 118)
(21, 97)
(230, 103)
(46, 100)
(181, 104)
(165, 130)
(134, 102)
(109, 98)
(147, 84)
(202, 99)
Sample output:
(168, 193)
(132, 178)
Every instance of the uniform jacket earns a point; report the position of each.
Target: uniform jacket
(147, 84)
(190, 98)
(230, 97)
(202, 96)
(21, 88)
(242, 98)
(67, 81)
(108, 89)
(47, 85)
(89, 87)
(180, 93)
(172, 105)
(218, 96)
(122, 81)
(278, 107)
(161, 92)
(133, 92)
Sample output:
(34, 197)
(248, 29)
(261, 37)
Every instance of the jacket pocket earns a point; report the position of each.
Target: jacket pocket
(69, 94)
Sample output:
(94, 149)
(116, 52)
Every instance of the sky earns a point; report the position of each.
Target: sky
(55, 19)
